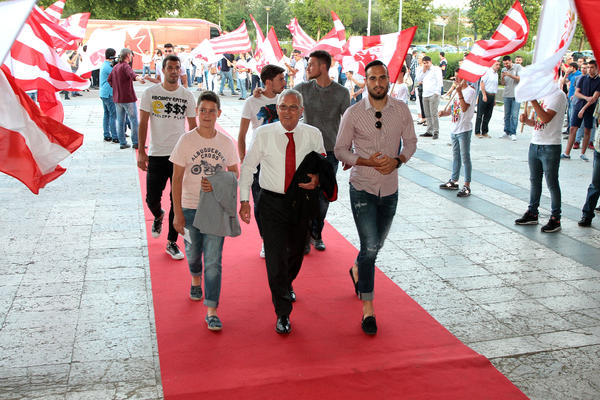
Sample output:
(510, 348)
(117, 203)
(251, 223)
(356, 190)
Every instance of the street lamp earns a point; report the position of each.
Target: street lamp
(267, 8)
(442, 21)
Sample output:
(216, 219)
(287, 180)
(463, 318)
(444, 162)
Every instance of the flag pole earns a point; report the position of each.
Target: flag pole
(450, 101)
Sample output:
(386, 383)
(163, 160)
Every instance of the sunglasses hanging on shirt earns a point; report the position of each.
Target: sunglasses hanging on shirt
(378, 123)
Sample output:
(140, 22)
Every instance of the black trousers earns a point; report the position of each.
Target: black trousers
(420, 90)
(160, 170)
(284, 241)
(484, 113)
(317, 223)
(255, 189)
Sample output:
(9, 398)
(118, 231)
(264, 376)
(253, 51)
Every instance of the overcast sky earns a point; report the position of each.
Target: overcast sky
(450, 3)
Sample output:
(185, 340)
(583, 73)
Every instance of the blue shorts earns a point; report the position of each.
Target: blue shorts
(588, 116)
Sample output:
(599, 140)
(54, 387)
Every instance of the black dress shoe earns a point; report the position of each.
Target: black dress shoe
(318, 243)
(426, 134)
(292, 295)
(283, 325)
(369, 325)
(115, 140)
(585, 222)
(107, 139)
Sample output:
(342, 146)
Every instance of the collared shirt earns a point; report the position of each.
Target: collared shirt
(106, 90)
(268, 149)
(573, 78)
(490, 80)
(121, 79)
(432, 80)
(358, 137)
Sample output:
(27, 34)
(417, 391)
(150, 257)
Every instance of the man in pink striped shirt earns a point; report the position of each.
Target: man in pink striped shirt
(376, 137)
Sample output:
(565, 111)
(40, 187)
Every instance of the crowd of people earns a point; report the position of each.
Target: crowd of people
(288, 152)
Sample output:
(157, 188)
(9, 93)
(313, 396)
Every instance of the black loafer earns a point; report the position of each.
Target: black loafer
(292, 295)
(354, 282)
(369, 325)
(283, 325)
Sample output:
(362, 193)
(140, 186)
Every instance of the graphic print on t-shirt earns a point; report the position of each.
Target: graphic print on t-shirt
(539, 125)
(202, 161)
(168, 107)
(456, 111)
(268, 114)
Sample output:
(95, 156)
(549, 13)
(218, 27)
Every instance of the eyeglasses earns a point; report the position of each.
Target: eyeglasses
(285, 107)
(378, 123)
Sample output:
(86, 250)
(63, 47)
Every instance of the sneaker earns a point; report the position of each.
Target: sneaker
(124, 146)
(591, 146)
(505, 136)
(527, 219)
(135, 146)
(435, 136)
(262, 251)
(585, 222)
(213, 323)
(196, 292)
(564, 156)
(553, 225)
(107, 139)
(513, 138)
(485, 135)
(597, 209)
(464, 192)
(318, 244)
(157, 225)
(173, 250)
(584, 157)
(576, 145)
(115, 140)
(449, 185)
(426, 134)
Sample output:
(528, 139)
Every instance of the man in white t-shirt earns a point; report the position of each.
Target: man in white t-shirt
(462, 111)
(430, 76)
(166, 106)
(544, 157)
(260, 111)
(299, 68)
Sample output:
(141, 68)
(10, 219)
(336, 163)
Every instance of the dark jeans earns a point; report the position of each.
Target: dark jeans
(373, 217)
(255, 83)
(160, 170)
(318, 223)
(544, 160)
(484, 113)
(255, 188)
(593, 192)
(284, 247)
(109, 121)
(420, 91)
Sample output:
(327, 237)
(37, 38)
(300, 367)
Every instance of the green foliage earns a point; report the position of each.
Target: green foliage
(452, 60)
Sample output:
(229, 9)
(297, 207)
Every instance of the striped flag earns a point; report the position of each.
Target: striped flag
(335, 40)
(269, 51)
(509, 37)
(54, 12)
(236, 41)
(300, 39)
(76, 24)
(260, 37)
(35, 64)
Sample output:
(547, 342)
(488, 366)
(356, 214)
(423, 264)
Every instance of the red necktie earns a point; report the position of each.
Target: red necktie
(290, 159)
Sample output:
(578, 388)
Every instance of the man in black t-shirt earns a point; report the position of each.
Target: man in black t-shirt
(227, 65)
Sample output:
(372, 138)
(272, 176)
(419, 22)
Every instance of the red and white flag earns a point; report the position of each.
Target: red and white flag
(236, 41)
(269, 52)
(12, 16)
(61, 38)
(557, 25)
(260, 37)
(589, 14)
(35, 64)
(300, 39)
(76, 24)
(335, 40)
(54, 12)
(509, 37)
(205, 52)
(31, 143)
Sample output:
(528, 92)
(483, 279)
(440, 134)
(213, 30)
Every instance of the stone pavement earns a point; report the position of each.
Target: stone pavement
(76, 314)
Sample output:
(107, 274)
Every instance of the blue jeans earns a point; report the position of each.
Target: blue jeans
(109, 123)
(212, 248)
(129, 109)
(373, 217)
(511, 115)
(188, 73)
(146, 70)
(242, 86)
(461, 151)
(544, 160)
(593, 192)
(226, 76)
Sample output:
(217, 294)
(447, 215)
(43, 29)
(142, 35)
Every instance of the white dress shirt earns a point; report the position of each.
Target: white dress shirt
(432, 80)
(268, 149)
(490, 80)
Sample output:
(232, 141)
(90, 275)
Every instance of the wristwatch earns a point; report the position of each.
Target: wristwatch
(399, 162)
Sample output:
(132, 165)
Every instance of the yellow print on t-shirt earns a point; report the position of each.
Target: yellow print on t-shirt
(539, 125)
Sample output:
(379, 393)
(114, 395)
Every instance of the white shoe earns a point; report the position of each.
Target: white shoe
(505, 136)
(262, 251)
(513, 138)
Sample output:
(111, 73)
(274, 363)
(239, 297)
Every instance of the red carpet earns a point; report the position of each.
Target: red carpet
(327, 356)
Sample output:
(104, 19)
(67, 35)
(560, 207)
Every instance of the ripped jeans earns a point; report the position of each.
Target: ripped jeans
(373, 217)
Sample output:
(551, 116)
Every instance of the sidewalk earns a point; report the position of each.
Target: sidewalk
(76, 314)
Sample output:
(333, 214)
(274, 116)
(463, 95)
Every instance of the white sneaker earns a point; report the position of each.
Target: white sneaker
(513, 138)
(505, 136)
(173, 250)
(262, 251)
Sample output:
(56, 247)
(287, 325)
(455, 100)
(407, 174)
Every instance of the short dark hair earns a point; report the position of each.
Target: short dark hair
(374, 63)
(322, 56)
(110, 53)
(209, 95)
(574, 65)
(506, 58)
(269, 72)
(170, 57)
(403, 69)
(593, 62)
(518, 56)
(169, 45)
(442, 54)
(426, 58)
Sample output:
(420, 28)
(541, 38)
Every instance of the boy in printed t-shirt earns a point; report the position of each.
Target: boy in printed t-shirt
(462, 111)
(544, 157)
(199, 153)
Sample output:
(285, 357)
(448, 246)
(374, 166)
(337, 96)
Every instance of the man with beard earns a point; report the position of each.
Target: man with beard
(166, 106)
(325, 101)
(372, 132)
